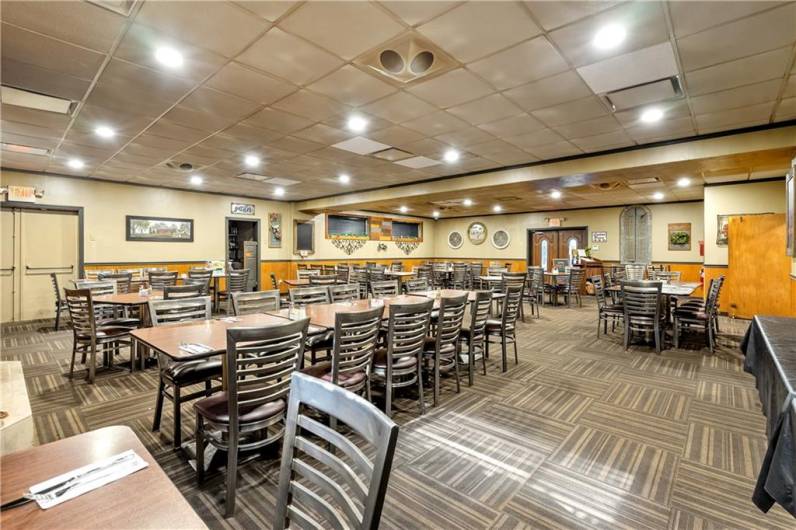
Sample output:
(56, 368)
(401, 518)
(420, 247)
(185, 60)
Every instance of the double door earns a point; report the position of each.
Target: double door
(549, 245)
(33, 245)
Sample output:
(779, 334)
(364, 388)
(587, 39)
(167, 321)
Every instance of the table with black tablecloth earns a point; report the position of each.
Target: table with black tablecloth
(770, 349)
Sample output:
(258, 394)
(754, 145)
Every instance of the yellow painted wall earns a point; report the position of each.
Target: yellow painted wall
(762, 197)
(601, 219)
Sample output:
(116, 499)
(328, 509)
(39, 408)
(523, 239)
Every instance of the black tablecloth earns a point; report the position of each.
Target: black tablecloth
(770, 349)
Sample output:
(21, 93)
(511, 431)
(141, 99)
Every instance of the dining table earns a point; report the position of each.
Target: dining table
(146, 499)
(675, 289)
(323, 315)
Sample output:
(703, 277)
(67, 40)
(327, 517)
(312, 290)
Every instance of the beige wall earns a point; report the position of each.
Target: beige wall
(106, 205)
(763, 197)
(598, 219)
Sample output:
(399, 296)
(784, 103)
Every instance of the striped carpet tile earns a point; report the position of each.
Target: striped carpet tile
(653, 401)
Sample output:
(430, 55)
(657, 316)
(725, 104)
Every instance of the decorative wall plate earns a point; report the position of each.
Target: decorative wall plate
(455, 240)
(476, 233)
(501, 239)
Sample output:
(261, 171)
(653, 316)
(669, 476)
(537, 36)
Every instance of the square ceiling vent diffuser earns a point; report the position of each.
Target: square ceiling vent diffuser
(407, 59)
(666, 89)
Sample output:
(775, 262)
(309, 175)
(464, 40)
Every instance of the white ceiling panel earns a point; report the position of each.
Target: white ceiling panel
(635, 68)
(523, 63)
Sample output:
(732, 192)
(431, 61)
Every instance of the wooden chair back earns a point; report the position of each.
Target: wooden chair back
(511, 307)
(169, 311)
(303, 296)
(97, 288)
(81, 312)
(641, 301)
(384, 288)
(188, 290)
(355, 337)
(344, 292)
(323, 279)
(237, 281)
(158, 280)
(449, 323)
(406, 332)
(245, 303)
(418, 285)
(122, 279)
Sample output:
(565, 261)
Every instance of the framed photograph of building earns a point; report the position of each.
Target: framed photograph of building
(162, 229)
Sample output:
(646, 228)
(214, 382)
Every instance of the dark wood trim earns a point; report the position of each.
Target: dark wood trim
(18, 205)
(297, 222)
(740, 182)
(128, 218)
(715, 266)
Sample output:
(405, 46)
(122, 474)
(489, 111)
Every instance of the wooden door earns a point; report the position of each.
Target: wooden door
(545, 249)
(568, 239)
(48, 243)
(759, 270)
(8, 270)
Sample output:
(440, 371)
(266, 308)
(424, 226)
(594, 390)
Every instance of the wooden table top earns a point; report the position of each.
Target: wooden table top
(145, 499)
(450, 293)
(323, 315)
(400, 274)
(128, 298)
(669, 289)
(213, 333)
(301, 282)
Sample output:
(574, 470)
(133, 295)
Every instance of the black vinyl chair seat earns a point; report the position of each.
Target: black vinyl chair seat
(380, 361)
(323, 370)
(189, 372)
(216, 409)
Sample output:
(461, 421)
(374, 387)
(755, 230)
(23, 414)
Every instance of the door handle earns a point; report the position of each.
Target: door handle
(36, 271)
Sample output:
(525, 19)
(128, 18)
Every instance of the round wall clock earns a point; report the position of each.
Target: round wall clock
(500, 239)
(476, 233)
(455, 240)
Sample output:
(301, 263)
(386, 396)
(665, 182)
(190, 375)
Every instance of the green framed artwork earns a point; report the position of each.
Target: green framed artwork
(679, 236)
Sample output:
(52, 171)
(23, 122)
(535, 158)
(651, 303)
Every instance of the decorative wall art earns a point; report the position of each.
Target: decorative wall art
(407, 247)
(240, 208)
(162, 229)
(679, 236)
(274, 230)
(599, 237)
(476, 233)
(455, 240)
(501, 239)
(348, 246)
(722, 230)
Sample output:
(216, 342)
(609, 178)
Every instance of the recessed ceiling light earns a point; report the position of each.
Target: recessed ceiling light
(252, 160)
(168, 56)
(435, 214)
(451, 156)
(467, 202)
(103, 131)
(657, 195)
(279, 191)
(652, 115)
(403, 209)
(683, 182)
(609, 37)
(555, 194)
(75, 163)
(497, 208)
(357, 124)
(343, 178)
(196, 180)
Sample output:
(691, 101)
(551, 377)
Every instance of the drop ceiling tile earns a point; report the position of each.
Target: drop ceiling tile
(465, 137)
(513, 126)
(644, 23)
(277, 120)
(495, 148)
(361, 146)
(748, 36)
(606, 141)
(525, 62)
(373, 123)
(289, 57)
(218, 26)
(671, 110)
(140, 43)
(296, 145)
(560, 88)
(6, 136)
(534, 139)
(476, 29)
(214, 102)
(736, 97)
(755, 113)
(786, 109)
(164, 128)
(399, 107)
(630, 69)
(160, 143)
(414, 13)
(427, 147)
(570, 112)
(352, 86)
(762, 67)
(323, 134)
(514, 156)
(79, 23)
(554, 14)
(244, 82)
(312, 106)
(344, 28)
(395, 135)
(418, 162)
(43, 81)
(436, 123)
(554, 150)
(40, 119)
(487, 109)
(269, 10)
(124, 123)
(27, 47)
(196, 119)
(451, 88)
(691, 17)
(601, 125)
(790, 89)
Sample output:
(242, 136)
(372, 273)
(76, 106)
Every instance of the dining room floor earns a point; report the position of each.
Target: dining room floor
(579, 434)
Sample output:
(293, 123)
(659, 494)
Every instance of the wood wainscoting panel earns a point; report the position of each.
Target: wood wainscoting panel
(758, 282)
(713, 272)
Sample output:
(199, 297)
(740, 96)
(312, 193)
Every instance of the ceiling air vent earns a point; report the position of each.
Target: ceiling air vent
(25, 149)
(644, 183)
(393, 154)
(276, 181)
(33, 100)
(122, 7)
(180, 166)
(605, 186)
(407, 59)
(666, 89)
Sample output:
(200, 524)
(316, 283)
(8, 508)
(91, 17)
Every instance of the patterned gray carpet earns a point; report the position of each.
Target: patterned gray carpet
(579, 434)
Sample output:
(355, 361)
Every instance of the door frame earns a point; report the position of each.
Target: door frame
(529, 237)
(256, 221)
(18, 205)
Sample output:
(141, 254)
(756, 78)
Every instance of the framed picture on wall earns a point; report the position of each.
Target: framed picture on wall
(679, 236)
(722, 230)
(790, 190)
(163, 229)
(274, 230)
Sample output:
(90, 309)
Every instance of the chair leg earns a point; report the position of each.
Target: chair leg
(656, 329)
(436, 378)
(627, 335)
(177, 417)
(159, 406)
(57, 316)
(516, 356)
(200, 449)
(599, 323)
(483, 355)
(456, 369)
(503, 352)
(420, 385)
(676, 333)
(711, 340)
(388, 396)
(470, 362)
(74, 355)
(92, 367)
(232, 473)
